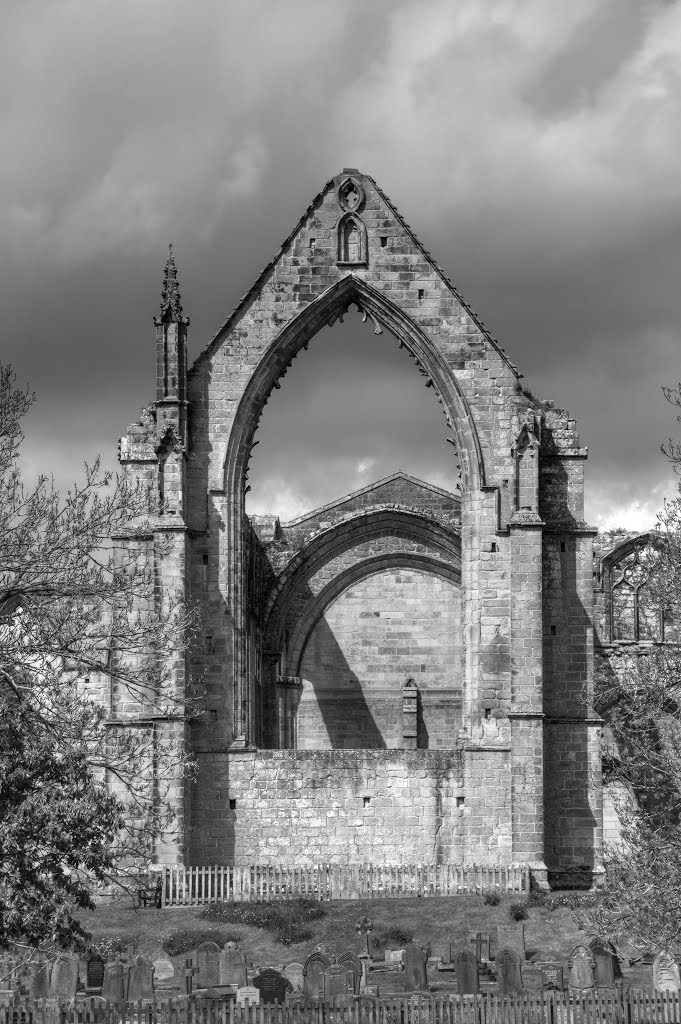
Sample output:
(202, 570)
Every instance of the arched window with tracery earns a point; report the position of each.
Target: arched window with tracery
(638, 607)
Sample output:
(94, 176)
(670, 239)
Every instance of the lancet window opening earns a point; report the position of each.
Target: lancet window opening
(636, 613)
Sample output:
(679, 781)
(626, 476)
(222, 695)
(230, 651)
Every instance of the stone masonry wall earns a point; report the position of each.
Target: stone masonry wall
(390, 807)
(383, 630)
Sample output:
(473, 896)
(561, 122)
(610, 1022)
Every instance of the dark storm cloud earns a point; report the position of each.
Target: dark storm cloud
(534, 147)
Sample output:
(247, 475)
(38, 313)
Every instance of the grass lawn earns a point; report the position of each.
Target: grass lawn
(551, 929)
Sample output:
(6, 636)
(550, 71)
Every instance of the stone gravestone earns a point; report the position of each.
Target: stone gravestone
(94, 977)
(442, 951)
(233, 966)
(164, 973)
(509, 977)
(353, 962)
(64, 978)
(115, 983)
(294, 973)
(467, 972)
(39, 982)
(247, 994)
(415, 967)
(208, 964)
(582, 966)
(511, 937)
(272, 986)
(484, 946)
(552, 977)
(607, 967)
(665, 972)
(141, 980)
(313, 974)
(338, 981)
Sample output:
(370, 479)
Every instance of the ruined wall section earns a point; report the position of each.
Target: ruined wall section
(378, 633)
(346, 806)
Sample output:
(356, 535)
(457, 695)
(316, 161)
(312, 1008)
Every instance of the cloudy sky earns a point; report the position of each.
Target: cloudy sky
(534, 147)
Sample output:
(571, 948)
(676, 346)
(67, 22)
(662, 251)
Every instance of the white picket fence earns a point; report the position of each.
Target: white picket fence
(187, 886)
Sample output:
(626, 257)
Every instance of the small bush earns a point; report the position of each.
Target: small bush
(294, 935)
(518, 911)
(109, 947)
(492, 899)
(186, 939)
(395, 935)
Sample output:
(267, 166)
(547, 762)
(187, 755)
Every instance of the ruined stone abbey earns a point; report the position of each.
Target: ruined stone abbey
(402, 676)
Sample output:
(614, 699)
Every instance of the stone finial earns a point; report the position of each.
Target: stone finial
(171, 304)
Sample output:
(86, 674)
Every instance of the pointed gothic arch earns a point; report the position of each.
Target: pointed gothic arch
(296, 335)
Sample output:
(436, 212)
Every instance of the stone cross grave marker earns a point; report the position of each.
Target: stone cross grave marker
(208, 964)
(94, 977)
(338, 981)
(313, 974)
(665, 972)
(247, 994)
(273, 986)
(164, 973)
(115, 983)
(39, 982)
(353, 962)
(552, 977)
(233, 966)
(64, 978)
(141, 980)
(582, 966)
(467, 972)
(509, 976)
(294, 973)
(415, 967)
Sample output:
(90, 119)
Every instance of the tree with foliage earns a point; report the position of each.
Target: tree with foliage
(638, 693)
(86, 683)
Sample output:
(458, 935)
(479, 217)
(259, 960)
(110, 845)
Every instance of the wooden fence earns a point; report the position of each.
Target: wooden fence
(184, 886)
(528, 1008)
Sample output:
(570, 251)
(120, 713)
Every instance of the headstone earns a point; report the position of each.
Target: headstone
(208, 964)
(467, 972)
(442, 951)
(94, 974)
(64, 978)
(582, 966)
(607, 967)
(393, 956)
(532, 978)
(352, 961)
(247, 994)
(115, 984)
(39, 982)
(272, 985)
(509, 977)
(338, 981)
(512, 937)
(552, 977)
(415, 967)
(164, 973)
(484, 943)
(313, 974)
(294, 973)
(141, 980)
(233, 966)
(665, 972)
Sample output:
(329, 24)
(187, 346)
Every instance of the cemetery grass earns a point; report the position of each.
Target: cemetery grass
(551, 929)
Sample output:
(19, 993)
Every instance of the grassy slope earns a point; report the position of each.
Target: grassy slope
(549, 934)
